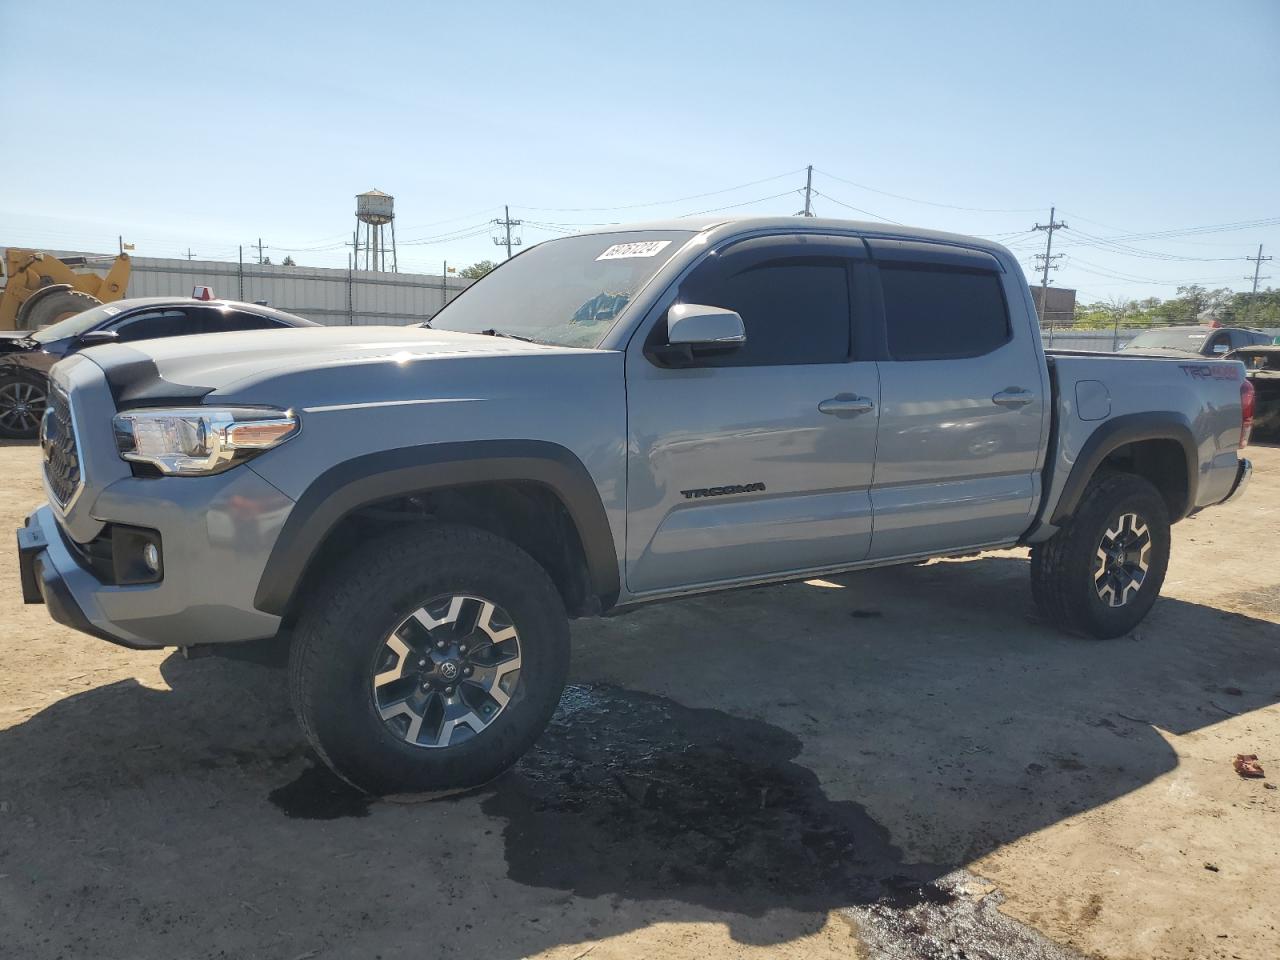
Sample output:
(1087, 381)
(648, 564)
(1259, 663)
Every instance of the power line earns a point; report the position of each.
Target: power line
(865, 213)
(928, 203)
(1076, 262)
(744, 203)
(1172, 234)
(462, 233)
(1127, 250)
(664, 203)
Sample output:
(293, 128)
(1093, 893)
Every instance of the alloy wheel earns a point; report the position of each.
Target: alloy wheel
(1123, 558)
(447, 671)
(21, 406)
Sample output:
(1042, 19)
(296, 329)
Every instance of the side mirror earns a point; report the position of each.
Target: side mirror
(94, 337)
(696, 331)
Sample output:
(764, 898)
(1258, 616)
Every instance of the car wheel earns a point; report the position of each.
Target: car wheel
(429, 660)
(1101, 573)
(22, 403)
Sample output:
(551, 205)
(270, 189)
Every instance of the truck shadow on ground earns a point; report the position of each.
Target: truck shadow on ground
(829, 712)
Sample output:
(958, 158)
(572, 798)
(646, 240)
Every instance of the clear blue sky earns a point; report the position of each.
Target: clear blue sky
(207, 125)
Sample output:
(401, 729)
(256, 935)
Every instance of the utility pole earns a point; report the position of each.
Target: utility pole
(508, 223)
(190, 255)
(240, 273)
(808, 192)
(1048, 257)
(260, 249)
(120, 238)
(1257, 266)
(351, 308)
(355, 250)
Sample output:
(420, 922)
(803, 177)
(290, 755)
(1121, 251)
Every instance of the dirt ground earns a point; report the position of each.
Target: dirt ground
(903, 763)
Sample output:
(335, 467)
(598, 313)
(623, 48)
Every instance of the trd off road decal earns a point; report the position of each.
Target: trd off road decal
(1203, 371)
(722, 491)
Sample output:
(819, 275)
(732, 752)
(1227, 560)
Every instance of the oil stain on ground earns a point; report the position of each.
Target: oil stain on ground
(633, 795)
(319, 794)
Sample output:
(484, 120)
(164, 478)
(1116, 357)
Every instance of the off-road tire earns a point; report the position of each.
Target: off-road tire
(54, 307)
(1064, 568)
(28, 388)
(349, 613)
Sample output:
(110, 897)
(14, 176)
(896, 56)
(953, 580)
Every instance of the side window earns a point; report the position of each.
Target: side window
(1218, 345)
(227, 321)
(934, 312)
(148, 326)
(1242, 338)
(795, 310)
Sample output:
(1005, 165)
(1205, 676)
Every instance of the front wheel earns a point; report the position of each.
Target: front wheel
(429, 660)
(1101, 573)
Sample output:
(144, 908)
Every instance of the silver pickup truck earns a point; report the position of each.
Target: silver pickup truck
(606, 420)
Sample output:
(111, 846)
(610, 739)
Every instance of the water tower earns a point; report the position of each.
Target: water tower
(375, 210)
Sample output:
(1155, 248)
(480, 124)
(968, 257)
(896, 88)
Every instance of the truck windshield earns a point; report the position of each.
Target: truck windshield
(567, 292)
(75, 325)
(1187, 340)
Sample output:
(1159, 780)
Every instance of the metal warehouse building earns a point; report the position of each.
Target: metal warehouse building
(334, 297)
(326, 296)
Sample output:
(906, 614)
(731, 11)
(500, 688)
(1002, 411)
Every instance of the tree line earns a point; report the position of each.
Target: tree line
(1193, 304)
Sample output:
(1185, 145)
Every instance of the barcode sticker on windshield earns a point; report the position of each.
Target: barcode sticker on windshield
(644, 248)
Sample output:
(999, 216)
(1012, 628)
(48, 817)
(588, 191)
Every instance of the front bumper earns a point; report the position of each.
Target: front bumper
(43, 583)
(217, 534)
(1244, 472)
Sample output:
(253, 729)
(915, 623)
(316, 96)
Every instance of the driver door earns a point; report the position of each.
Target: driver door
(756, 463)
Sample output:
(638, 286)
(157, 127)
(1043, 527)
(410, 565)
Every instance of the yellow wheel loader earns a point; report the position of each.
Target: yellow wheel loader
(41, 289)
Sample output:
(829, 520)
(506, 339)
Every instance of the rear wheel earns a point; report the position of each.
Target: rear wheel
(22, 401)
(54, 307)
(1101, 573)
(429, 660)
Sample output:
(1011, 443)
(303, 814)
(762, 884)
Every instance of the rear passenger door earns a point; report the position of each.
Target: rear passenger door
(962, 403)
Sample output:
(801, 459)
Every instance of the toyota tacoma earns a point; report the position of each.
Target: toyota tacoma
(606, 420)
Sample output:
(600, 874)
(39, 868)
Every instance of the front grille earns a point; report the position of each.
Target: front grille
(58, 444)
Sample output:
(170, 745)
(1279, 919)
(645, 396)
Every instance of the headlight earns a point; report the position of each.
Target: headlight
(197, 441)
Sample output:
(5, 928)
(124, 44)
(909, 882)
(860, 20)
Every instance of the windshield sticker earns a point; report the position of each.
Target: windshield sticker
(644, 248)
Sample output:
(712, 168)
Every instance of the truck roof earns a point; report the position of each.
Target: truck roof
(728, 225)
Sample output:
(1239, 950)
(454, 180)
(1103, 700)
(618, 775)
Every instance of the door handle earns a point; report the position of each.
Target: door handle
(846, 405)
(1013, 397)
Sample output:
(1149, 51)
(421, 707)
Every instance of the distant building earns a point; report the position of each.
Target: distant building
(335, 297)
(1056, 305)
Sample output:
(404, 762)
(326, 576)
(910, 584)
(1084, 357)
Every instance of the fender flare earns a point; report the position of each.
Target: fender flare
(1115, 433)
(366, 480)
(24, 311)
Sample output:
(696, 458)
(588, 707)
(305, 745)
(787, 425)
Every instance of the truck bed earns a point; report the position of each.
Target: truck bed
(1094, 392)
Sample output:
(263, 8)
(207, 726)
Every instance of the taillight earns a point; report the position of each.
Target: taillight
(1248, 401)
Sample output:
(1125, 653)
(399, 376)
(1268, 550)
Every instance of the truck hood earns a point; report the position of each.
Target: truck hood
(190, 368)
